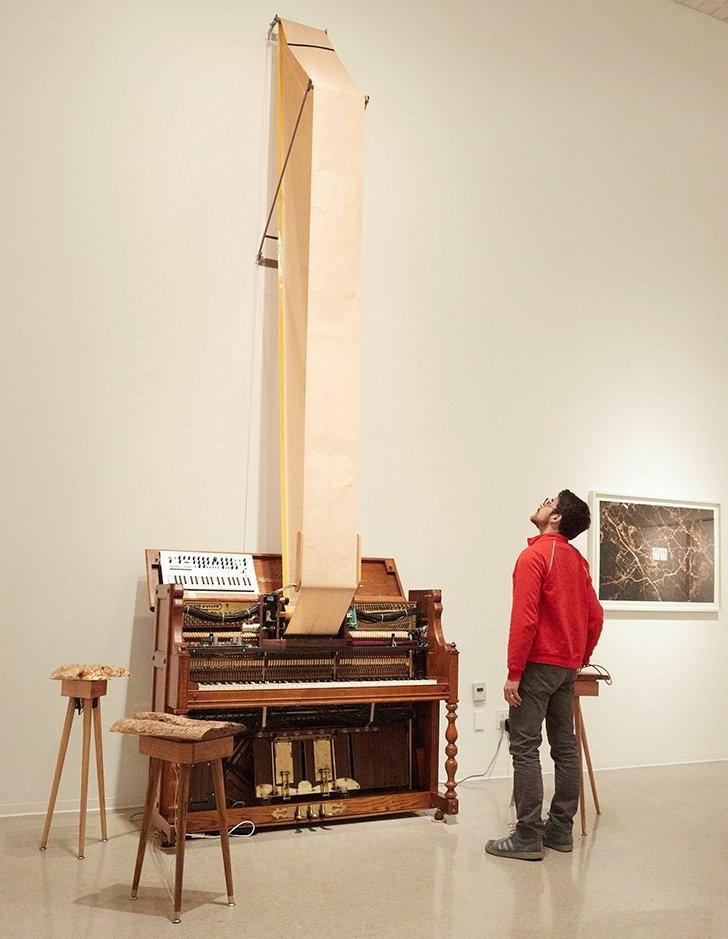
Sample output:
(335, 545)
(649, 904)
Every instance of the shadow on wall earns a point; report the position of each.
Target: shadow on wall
(132, 774)
(267, 535)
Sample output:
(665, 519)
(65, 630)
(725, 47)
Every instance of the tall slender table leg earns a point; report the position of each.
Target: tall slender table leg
(183, 789)
(65, 735)
(585, 744)
(100, 765)
(84, 774)
(155, 767)
(218, 779)
(577, 730)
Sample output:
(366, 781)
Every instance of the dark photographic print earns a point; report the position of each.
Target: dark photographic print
(654, 555)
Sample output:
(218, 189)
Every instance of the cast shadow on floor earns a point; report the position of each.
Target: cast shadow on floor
(152, 901)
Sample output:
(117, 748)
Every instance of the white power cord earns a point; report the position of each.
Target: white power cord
(490, 765)
(243, 834)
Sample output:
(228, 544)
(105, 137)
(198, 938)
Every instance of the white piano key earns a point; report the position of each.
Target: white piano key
(274, 685)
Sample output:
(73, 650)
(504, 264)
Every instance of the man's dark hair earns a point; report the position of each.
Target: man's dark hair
(574, 512)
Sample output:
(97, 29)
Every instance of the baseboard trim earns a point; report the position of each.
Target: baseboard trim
(605, 767)
(11, 809)
(63, 807)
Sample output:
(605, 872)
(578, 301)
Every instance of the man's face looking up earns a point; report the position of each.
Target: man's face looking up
(543, 513)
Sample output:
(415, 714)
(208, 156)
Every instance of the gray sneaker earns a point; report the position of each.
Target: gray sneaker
(516, 847)
(557, 841)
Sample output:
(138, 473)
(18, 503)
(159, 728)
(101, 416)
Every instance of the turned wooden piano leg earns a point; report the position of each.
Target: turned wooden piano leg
(451, 764)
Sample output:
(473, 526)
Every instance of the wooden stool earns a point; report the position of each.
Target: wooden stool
(185, 753)
(83, 695)
(586, 685)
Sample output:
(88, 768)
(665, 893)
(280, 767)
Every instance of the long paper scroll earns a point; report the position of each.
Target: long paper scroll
(319, 268)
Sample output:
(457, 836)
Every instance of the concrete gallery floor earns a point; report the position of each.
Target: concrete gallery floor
(655, 863)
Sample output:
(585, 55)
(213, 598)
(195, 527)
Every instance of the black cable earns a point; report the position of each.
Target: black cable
(599, 669)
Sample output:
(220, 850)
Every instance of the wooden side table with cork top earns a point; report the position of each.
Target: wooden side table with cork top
(84, 686)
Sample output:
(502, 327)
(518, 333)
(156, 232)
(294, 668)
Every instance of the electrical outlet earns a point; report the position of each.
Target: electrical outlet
(500, 719)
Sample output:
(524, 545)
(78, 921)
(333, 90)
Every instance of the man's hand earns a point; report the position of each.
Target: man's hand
(510, 693)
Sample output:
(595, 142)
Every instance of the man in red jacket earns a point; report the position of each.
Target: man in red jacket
(555, 623)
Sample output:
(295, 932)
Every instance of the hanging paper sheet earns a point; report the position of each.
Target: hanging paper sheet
(319, 268)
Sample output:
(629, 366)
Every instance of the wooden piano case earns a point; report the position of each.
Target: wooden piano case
(350, 752)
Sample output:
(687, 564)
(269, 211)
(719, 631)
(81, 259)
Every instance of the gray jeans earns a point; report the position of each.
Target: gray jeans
(546, 692)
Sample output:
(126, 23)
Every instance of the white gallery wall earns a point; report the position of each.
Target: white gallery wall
(544, 297)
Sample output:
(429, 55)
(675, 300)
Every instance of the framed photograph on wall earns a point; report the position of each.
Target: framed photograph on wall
(655, 555)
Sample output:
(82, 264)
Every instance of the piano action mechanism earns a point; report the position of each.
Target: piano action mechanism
(343, 726)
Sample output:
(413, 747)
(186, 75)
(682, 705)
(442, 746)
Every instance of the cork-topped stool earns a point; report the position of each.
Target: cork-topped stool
(209, 747)
(84, 686)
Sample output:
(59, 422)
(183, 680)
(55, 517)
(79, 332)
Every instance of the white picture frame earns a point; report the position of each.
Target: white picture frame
(636, 554)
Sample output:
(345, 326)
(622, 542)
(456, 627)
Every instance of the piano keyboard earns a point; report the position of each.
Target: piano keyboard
(287, 685)
(208, 572)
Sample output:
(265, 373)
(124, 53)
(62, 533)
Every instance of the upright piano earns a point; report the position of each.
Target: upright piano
(336, 727)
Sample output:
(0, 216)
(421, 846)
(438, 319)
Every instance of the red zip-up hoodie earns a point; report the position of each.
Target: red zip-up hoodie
(556, 617)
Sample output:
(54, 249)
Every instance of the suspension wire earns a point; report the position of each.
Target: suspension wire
(260, 258)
